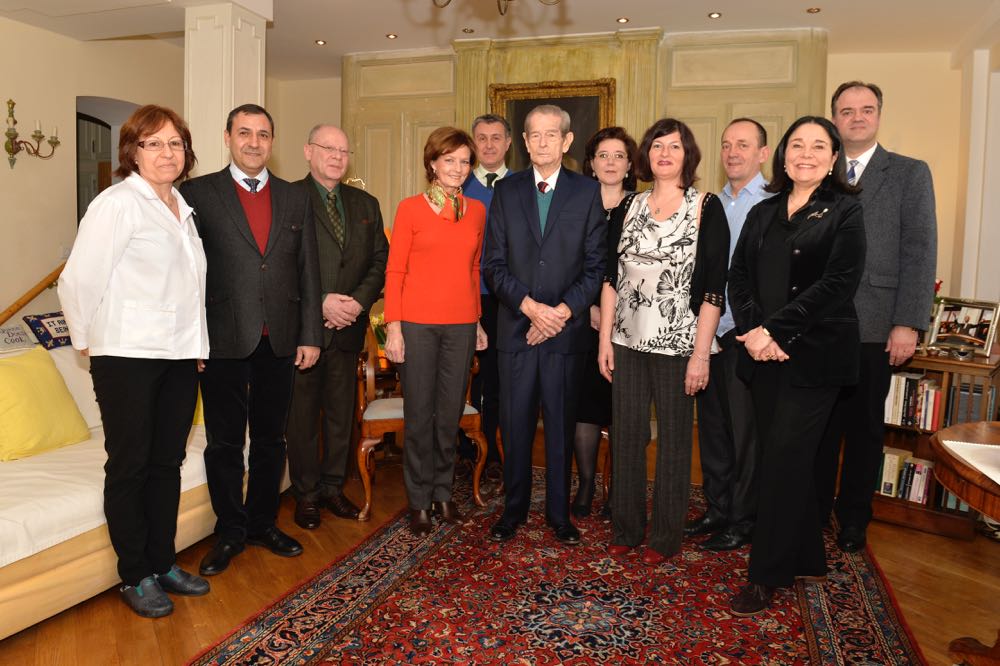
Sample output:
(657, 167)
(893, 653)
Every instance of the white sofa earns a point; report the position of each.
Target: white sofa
(54, 546)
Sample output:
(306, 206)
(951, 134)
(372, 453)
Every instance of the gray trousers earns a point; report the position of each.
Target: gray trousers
(641, 378)
(434, 376)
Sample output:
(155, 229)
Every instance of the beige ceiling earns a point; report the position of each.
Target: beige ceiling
(353, 26)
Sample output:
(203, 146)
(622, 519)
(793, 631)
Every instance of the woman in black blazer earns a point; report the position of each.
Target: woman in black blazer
(796, 267)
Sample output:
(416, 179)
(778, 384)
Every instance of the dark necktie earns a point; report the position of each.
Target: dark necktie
(852, 177)
(252, 183)
(542, 186)
(335, 219)
(490, 177)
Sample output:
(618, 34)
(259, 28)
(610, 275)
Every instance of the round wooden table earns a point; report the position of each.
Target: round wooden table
(982, 494)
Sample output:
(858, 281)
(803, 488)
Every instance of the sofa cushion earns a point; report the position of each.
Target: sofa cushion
(75, 370)
(37, 412)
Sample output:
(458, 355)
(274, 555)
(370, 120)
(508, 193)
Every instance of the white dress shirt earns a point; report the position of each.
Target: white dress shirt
(238, 176)
(134, 284)
(863, 160)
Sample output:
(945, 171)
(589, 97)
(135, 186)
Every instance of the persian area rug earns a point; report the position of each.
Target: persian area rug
(455, 597)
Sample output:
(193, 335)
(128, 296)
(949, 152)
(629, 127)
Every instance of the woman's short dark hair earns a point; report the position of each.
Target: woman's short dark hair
(146, 121)
(631, 151)
(446, 140)
(780, 182)
(692, 154)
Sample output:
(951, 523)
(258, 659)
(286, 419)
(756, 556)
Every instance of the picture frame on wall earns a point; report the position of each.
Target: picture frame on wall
(590, 105)
(961, 323)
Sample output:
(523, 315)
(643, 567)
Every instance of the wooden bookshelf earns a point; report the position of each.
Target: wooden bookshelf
(978, 371)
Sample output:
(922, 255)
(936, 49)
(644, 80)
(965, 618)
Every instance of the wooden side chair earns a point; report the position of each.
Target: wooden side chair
(377, 416)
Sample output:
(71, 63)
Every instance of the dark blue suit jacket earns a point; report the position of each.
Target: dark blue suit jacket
(565, 265)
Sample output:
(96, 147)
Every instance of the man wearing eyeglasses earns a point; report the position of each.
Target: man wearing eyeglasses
(263, 321)
(353, 251)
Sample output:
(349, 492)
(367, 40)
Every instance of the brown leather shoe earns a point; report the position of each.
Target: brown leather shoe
(420, 522)
(341, 507)
(752, 599)
(307, 515)
(449, 513)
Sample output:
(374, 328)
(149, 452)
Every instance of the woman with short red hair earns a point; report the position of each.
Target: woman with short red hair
(432, 310)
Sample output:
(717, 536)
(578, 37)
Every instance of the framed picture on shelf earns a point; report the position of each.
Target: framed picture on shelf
(961, 323)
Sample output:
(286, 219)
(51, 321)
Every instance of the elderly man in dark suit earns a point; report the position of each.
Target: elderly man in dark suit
(893, 302)
(544, 261)
(352, 254)
(263, 321)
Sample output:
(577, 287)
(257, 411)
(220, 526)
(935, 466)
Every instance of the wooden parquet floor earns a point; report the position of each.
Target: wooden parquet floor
(946, 588)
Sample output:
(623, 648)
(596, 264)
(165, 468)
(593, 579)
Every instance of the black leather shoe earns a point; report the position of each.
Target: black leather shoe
(217, 560)
(752, 599)
(851, 539)
(420, 522)
(567, 533)
(727, 539)
(307, 515)
(502, 531)
(341, 507)
(277, 542)
(181, 582)
(705, 525)
(449, 513)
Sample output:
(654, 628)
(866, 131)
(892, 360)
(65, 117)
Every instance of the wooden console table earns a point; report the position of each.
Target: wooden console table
(982, 494)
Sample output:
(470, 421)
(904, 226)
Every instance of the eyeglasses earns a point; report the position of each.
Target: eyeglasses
(617, 156)
(156, 145)
(330, 149)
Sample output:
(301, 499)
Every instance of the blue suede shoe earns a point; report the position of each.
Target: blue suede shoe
(181, 582)
(147, 598)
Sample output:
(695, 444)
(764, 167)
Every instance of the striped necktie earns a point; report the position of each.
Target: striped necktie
(852, 177)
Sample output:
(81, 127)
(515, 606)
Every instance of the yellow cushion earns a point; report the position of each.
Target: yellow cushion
(199, 413)
(37, 413)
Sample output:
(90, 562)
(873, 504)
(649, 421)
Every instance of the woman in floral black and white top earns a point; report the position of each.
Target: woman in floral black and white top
(660, 306)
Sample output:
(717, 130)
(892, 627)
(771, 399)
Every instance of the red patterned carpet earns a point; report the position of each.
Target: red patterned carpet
(456, 597)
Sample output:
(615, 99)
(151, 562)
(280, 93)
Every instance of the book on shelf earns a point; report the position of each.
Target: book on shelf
(922, 471)
(892, 465)
(903, 403)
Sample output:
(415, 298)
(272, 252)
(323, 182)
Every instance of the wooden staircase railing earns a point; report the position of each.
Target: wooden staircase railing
(43, 284)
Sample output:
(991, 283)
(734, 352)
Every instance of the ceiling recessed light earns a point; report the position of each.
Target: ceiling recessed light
(391, 35)
(714, 15)
(813, 10)
(320, 42)
(468, 31)
(622, 19)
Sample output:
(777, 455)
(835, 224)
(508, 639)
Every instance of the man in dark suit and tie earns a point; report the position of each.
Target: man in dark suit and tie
(263, 321)
(893, 303)
(545, 254)
(353, 251)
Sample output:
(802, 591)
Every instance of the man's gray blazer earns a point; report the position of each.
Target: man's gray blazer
(247, 290)
(897, 288)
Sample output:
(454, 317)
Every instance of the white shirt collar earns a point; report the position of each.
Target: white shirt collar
(480, 173)
(238, 176)
(139, 183)
(551, 180)
(863, 160)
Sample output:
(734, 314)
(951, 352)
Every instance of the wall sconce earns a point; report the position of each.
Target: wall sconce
(13, 146)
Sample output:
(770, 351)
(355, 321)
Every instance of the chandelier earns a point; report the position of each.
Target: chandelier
(501, 4)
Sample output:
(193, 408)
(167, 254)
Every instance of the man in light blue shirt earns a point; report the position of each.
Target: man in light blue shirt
(726, 435)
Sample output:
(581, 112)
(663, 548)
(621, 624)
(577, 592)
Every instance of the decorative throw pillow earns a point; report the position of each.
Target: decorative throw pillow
(50, 329)
(37, 413)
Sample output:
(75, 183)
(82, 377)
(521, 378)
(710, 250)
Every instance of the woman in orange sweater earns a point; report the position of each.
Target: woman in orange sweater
(432, 320)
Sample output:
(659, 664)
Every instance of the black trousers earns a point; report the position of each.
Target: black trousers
(252, 391)
(527, 379)
(788, 535)
(727, 440)
(485, 391)
(147, 406)
(322, 398)
(434, 376)
(858, 419)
